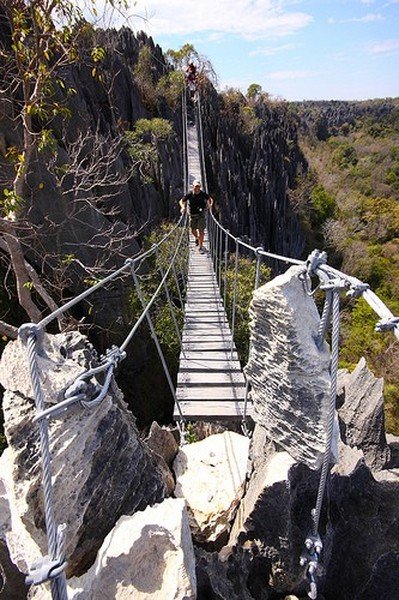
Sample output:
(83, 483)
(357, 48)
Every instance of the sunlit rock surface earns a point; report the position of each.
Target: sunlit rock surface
(288, 373)
(101, 469)
(148, 555)
(210, 475)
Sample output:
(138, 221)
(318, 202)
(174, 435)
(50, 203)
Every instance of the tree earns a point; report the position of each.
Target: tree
(254, 91)
(187, 53)
(43, 41)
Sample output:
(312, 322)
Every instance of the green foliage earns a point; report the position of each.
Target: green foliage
(151, 273)
(254, 91)
(159, 129)
(11, 202)
(186, 54)
(392, 176)
(236, 107)
(178, 58)
(244, 285)
(171, 87)
(144, 77)
(345, 156)
(360, 172)
(248, 119)
(142, 146)
(359, 338)
(191, 435)
(324, 205)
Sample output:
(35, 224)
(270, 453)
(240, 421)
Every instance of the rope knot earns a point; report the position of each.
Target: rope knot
(315, 260)
(387, 324)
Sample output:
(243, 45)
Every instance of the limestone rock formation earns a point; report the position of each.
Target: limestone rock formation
(288, 373)
(101, 469)
(362, 416)
(147, 556)
(255, 172)
(210, 475)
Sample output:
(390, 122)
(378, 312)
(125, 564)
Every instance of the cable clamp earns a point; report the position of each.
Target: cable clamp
(315, 260)
(45, 569)
(32, 329)
(387, 324)
(115, 355)
(335, 284)
(357, 289)
(77, 388)
(310, 559)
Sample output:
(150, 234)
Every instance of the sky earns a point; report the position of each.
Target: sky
(294, 49)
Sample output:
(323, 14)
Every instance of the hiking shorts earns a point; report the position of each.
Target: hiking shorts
(198, 221)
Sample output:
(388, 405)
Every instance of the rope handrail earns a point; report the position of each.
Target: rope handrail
(236, 239)
(388, 320)
(140, 257)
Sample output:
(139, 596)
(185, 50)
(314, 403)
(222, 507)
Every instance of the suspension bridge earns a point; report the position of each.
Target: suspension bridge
(210, 382)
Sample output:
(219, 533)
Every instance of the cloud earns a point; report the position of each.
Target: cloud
(273, 50)
(384, 47)
(369, 18)
(249, 19)
(284, 75)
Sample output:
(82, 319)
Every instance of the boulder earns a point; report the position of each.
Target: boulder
(361, 543)
(273, 517)
(211, 475)
(288, 373)
(100, 467)
(362, 416)
(164, 447)
(148, 555)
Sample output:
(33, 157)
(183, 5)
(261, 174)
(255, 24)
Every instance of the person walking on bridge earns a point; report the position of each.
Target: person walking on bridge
(196, 202)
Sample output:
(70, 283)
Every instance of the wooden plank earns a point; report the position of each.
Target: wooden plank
(207, 345)
(210, 336)
(210, 378)
(211, 393)
(215, 355)
(213, 410)
(208, 365)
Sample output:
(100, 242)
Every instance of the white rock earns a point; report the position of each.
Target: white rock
(211, 475)
(288, 373)
(100, 468)
(146, 556)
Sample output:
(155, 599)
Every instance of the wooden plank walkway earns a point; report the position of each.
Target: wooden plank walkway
(210, 383)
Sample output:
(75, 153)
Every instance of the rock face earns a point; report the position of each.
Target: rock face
(288, 373)
(146, 556)
(272, 517)
(210, 475)
(101, 469)
(254, 171)
(362, 416)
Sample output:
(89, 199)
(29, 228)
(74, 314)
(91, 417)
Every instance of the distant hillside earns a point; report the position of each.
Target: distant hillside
(349, 204)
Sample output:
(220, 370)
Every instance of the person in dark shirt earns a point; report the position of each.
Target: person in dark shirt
(196, 202)
(191, 75)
